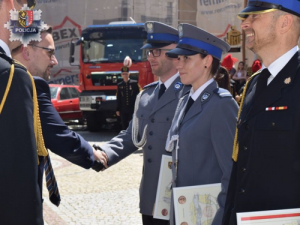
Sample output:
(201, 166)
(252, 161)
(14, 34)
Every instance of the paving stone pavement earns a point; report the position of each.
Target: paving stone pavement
(89, 198)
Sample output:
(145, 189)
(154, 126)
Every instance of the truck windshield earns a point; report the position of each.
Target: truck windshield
(113, 50)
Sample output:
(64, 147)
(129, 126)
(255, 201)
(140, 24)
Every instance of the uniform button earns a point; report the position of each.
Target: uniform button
(243, 191)
(244, 169)
(152, 120)
(247, 127)
(151, 133)
(167, 119)
(149, 160)
(150, 147)
(273, 124)
(245, 148)
(142, 115)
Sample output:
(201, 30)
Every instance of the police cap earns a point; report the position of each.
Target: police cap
(160, 35)
(257, 7)
(125, 69)
(194, 40)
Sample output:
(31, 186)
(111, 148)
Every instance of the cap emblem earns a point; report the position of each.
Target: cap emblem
(180, 30)
(150, 27)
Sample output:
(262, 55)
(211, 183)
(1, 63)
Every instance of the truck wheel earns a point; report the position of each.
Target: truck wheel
(92, 123)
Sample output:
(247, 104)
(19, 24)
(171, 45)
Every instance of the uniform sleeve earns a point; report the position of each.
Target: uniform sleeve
(120, 146)
(222, 135)
(57, 136)
(119, 100)
(136, 90)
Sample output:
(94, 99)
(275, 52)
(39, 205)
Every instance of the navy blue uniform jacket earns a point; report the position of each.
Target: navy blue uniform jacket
(266, 174)
(58, 138)
(20, 201)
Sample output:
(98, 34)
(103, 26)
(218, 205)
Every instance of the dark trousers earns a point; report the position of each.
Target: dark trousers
(149, 220)
(125, 119)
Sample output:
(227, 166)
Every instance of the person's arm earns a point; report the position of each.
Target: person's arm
(234, 77)
(222, 135)
(57, 136)
(120, 146)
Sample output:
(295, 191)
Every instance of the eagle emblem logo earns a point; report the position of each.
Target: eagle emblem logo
(25, 18)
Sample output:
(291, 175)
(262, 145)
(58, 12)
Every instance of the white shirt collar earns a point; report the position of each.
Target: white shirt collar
(279, 63)
(195, 94)
(5, 48)
(168, 82)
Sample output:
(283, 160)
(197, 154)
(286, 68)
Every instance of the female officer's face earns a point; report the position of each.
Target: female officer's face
(192, 70)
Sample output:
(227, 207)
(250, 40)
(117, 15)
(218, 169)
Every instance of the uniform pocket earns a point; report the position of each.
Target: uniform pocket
(274, 134)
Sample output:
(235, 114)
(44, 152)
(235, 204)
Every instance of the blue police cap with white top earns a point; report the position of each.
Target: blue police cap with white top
(193, 40)
(257, 7)
(160, 35)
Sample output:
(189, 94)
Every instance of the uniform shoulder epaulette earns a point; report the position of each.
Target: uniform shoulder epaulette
(7, 58)
(12, 61)
(151, 85)
(133, 81)
(223, 93)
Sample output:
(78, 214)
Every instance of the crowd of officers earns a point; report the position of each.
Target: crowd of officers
(252, 150)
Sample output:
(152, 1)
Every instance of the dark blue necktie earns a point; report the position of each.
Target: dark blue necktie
(262, 82)
(51, 182)
(162, 89)
(188, 105)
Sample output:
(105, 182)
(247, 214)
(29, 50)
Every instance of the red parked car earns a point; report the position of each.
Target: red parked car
(65, 99)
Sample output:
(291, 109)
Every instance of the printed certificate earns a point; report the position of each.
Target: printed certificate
(163, 193)
(196, 204)
(272, 217)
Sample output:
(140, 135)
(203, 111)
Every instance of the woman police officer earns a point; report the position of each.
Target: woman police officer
(202, 132)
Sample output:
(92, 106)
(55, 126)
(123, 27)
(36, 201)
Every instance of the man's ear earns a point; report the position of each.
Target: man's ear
(286, 23)
(25, 53)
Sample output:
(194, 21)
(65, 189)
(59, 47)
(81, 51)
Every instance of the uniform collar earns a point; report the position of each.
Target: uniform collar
(195, 94)
(169, 81)
(5, 48)
(279, 63)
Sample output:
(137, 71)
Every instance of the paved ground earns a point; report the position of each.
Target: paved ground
(88, 198)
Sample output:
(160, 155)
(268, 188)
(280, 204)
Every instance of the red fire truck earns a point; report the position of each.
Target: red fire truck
(103, 49)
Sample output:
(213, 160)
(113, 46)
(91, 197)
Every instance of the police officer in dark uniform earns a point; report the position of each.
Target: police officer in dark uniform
(266, 168)
(38, 57)
(127, 91)
(20, 195)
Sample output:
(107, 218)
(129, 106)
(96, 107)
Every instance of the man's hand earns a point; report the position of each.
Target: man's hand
(100, 156)
(118, 113)
(101, 159)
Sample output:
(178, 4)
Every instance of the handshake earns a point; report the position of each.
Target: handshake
(101, 159)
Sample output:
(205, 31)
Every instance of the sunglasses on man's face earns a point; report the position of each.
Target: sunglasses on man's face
(51, 51)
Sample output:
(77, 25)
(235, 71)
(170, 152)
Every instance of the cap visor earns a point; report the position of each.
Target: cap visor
(253, 10)
(155, 45)
(179, 51)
